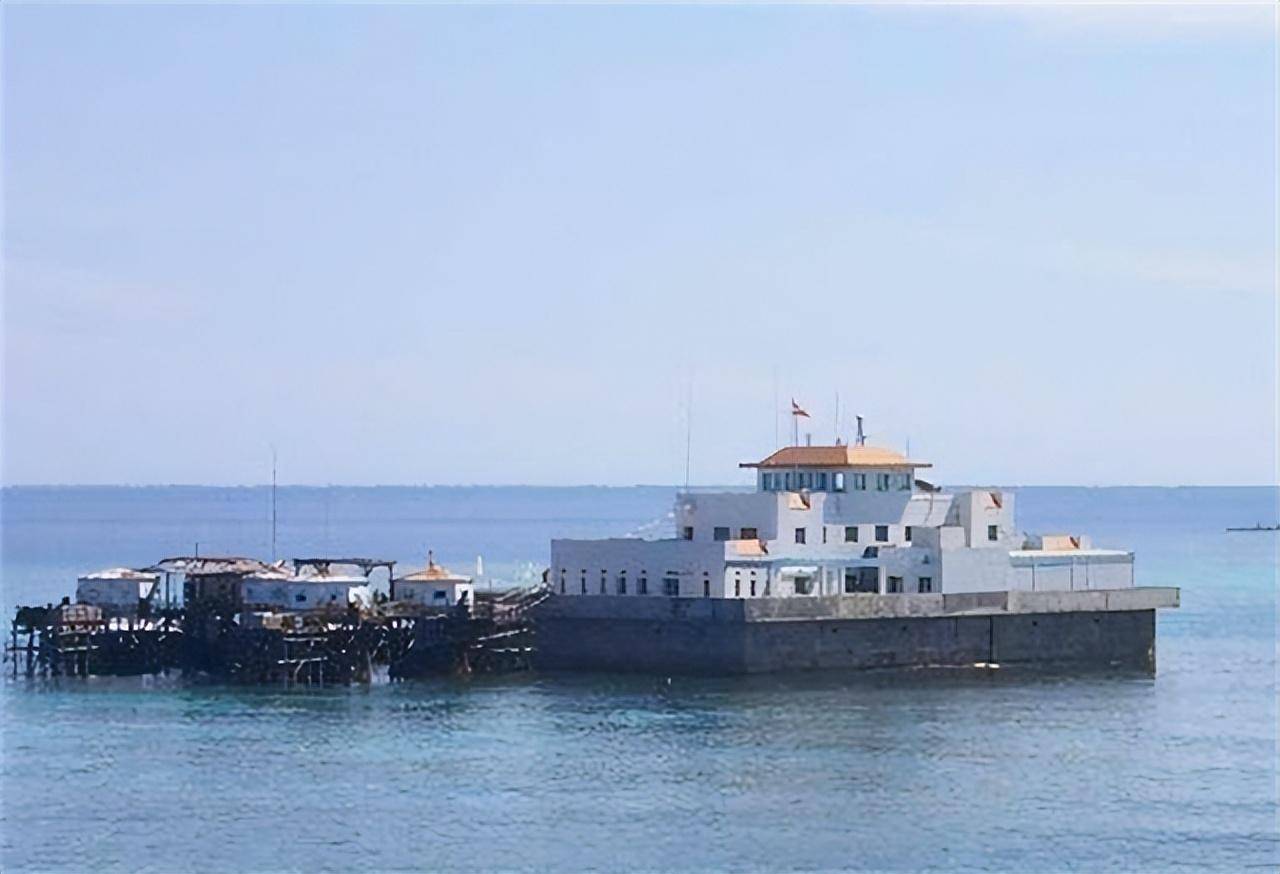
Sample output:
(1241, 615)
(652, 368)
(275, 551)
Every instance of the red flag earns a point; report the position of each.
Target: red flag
(796, 409)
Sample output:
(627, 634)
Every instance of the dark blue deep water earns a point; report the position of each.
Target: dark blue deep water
(947, 770)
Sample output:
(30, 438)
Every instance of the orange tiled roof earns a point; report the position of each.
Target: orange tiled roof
(836, 456)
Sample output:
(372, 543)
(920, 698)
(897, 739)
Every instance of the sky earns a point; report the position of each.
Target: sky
(593, 244)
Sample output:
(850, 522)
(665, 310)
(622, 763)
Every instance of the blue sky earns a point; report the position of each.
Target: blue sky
(424, 244)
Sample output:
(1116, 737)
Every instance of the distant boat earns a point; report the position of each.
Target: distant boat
(1258, 527)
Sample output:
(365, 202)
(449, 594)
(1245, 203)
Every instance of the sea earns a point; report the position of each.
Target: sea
(924, 770)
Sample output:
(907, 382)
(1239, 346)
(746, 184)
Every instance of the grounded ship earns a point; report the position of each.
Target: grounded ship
(843, 558)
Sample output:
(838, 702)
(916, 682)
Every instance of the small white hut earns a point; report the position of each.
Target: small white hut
(118, 590)
(433, 586)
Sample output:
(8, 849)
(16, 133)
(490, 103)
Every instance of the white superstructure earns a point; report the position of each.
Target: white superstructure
(838, 520)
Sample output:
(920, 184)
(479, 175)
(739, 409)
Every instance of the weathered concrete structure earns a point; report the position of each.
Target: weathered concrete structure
(734, 636)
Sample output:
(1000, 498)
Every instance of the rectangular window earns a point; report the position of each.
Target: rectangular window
(906, 533)
(753, 585)
(737, 586)
(837, 481)
(860, 481)
(804, 585)
(622, 584)
(603, 587)
(788, 482)
(904, 482)
(926, 584)
(720, 533)
(882, 482)
(851, 534)
(993, 532)
(799, 535)
(821, 484)
(706, 588)
(766, 481)
(895, 585)
(561, 582)
(687, 533)
(850, 580)
(584, 582)
(644, 585)
(748, 534)
(824, 533)
(671, 587)
(882, 533)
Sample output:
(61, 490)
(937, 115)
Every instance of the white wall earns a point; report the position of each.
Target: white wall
(690, 562)
(424, 592)
(974, 511)
(120, 593)
(307, 594)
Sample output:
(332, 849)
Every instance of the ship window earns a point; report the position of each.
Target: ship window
(753, 584)
(904, 482)
(603, 576)
(766, 481)
(824, 533)
(926, 584)
(799, 535)
(706, 588)
(804, 585)
(721, 533)
(837, 481)
(851, 534)
(821, 484)
(993, 532)
(788, 481)
(850, 580)
(561, 582)
(671, 587)
(644, 585)
(860, 481)
(882, 482)
(882, 533)
(622, 583)
(906, 533)
(584, 582)
(687, 532)
(895, 584)
(748, 534)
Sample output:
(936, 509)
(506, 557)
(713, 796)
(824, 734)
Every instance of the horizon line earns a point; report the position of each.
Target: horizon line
(674, 486)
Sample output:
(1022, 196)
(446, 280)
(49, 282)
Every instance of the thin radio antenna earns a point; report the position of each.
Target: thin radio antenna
(273, 503)
(688, 431)
(776, 413)
(837, 420)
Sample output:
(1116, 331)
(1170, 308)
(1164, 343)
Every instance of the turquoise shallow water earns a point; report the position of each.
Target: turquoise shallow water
(945, 770)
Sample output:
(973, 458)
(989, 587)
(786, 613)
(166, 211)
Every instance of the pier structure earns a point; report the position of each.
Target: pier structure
(242, 620)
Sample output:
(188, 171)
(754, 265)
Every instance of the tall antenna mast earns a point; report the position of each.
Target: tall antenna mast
(777, 438)
(273, 503)
(837, 419)
(688, 431)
